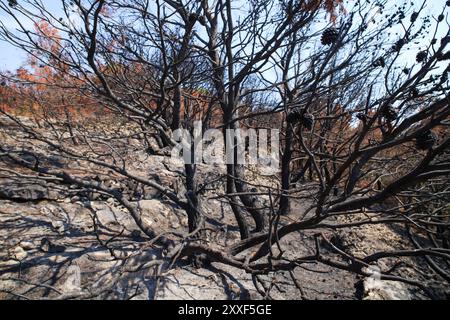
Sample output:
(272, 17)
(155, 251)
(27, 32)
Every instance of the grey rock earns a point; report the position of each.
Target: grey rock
(19, 254)
(75, 199)
(48, 247)
(27, 245)
(58, 226)
(377, 289)
(28, 191)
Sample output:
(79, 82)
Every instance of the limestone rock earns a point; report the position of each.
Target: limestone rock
(153, 208)
(58, 226)
(27, 245)
(19, 254)
(375, 289)
(29, 193)
(109, 215)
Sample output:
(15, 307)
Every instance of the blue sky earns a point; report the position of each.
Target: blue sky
(11, 58)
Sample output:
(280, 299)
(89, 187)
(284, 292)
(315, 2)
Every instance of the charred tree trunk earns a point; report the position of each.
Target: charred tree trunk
(176, 110)
(234, 203)
(193, 205)
(231, 186)
(241, 187)
(286, 171)
(69, 126)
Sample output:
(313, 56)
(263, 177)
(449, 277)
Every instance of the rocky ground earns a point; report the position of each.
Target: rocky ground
(59, 242)
(26, 261)
(49, 249)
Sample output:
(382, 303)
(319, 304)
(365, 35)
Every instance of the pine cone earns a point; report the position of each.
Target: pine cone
(12, 3)
(294, 117)
(398, 45)
(440, 17)
(421, 56)
(414, 93)
(362, 117)
(390, 113)
(308, 121)
(193, 18)
(426, 141)
(379, 63)
(202, 20)
(414, 16)
(329, 36)
(299, 116)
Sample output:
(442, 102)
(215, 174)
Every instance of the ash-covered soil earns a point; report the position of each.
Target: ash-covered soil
(80, 257)
(61, 242)
(30, 269)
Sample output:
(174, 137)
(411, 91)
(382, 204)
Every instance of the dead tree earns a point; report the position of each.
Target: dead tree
(368, 132)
